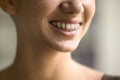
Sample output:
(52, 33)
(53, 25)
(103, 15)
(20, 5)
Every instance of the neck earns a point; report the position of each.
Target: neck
(37, 62)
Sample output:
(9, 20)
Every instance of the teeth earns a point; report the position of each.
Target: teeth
(59, 25)
(73, 26)
(63, 26)
(54, 23)
(66, 26)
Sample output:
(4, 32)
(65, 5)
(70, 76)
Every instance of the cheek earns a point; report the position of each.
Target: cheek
(89, 6)
(36, 7)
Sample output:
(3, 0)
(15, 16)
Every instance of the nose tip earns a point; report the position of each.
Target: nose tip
(72, 6)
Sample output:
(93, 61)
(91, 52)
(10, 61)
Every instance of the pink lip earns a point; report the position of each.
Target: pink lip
(65, 33)
(74, 21)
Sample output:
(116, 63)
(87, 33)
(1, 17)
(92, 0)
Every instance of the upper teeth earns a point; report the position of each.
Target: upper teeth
(66, 26)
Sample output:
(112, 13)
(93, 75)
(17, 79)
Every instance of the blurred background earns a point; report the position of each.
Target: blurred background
(99, 49)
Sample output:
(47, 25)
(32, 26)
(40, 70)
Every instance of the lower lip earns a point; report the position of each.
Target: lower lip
(65, 33)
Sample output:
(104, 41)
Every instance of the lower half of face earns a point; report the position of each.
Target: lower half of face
(61, 37)
(60, 32)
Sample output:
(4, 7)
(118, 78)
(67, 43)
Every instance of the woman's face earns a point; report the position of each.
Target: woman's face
(58, 24)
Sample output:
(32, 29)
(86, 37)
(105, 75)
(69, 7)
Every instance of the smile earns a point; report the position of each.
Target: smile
(68, 27)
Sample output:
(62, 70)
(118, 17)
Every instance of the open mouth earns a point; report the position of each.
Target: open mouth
(65, 26)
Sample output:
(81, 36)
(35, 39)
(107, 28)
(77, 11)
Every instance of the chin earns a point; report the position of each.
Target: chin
(65, 46)
(66, 50)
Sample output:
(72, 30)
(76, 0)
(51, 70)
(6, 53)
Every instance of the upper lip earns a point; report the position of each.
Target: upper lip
(71, 21)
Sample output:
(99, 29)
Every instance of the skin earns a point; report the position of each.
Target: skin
(44, 53)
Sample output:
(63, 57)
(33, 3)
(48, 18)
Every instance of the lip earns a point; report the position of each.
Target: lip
(74, 21)
(63, 32)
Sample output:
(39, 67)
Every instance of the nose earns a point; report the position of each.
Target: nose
(72, 6)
